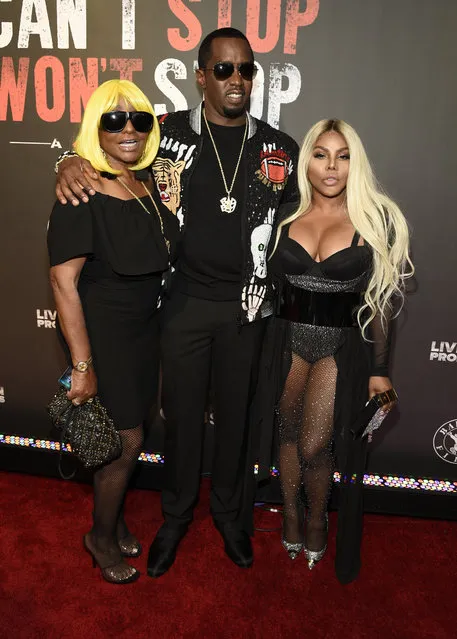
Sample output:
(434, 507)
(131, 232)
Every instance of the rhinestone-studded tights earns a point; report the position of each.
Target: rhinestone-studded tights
(110, 486)
(306, 460)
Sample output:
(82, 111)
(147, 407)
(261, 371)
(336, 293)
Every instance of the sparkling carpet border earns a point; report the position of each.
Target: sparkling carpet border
(379, 481)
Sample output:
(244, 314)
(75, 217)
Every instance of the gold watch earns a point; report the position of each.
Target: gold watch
(82, 367)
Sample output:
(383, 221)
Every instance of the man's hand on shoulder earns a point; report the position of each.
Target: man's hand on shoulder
(74, 176)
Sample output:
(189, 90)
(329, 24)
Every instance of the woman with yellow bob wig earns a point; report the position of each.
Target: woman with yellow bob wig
(105, 101)
(107, 257)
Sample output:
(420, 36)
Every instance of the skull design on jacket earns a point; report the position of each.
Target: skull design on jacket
(260, 238)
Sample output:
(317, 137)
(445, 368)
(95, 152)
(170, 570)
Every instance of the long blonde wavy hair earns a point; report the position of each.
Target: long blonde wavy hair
(374, 216)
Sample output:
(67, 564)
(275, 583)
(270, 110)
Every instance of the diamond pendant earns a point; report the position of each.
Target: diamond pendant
(228, 204)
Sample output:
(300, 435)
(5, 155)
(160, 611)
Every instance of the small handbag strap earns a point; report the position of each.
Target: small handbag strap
(62, 446)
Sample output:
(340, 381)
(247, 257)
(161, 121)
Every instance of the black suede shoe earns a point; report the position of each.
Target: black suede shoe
(237, 543)
(162, 552)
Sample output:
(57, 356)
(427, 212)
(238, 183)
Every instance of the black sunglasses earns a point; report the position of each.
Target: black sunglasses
(224, 70)
(116, 121)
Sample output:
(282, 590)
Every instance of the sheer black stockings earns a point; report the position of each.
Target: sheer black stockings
(306, 459)
(110, 486)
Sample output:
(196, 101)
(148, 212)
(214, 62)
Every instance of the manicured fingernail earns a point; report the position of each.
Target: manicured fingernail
(75, 202)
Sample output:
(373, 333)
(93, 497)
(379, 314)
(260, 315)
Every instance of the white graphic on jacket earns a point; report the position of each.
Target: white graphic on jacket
(252, 297)
(260, 238)
(167, 173)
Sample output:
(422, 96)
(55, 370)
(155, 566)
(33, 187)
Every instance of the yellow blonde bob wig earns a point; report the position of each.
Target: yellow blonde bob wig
(373, 214)
(104, 99)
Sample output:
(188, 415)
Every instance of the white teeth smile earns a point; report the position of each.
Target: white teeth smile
(128, 143)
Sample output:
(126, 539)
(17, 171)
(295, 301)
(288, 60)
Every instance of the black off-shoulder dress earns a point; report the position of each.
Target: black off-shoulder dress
(119, 287)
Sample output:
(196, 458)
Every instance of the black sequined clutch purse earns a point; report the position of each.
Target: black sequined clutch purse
(87, 428)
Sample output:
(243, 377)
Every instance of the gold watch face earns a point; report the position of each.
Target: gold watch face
(82, 367)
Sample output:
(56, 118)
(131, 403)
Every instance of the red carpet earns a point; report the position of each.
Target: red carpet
(48, 589)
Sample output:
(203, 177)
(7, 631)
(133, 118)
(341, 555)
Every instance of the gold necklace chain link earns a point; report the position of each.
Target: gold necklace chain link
(227, 190)
(167, 243)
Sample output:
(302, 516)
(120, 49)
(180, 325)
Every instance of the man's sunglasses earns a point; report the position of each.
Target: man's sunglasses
(116, 121)
(224, 70)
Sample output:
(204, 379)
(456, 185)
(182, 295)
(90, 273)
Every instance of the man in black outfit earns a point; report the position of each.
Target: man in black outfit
(239, 173)
(224, 174)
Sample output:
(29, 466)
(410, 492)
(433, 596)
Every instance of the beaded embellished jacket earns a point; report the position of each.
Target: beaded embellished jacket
(270, 180)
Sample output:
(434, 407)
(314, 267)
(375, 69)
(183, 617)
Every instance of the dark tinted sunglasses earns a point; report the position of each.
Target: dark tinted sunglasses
(116, 121)
(224, 70)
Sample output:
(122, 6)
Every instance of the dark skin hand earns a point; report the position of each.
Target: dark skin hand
(83, 386)
(74, 180)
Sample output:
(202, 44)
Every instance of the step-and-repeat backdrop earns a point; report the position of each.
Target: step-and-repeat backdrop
(385, 66)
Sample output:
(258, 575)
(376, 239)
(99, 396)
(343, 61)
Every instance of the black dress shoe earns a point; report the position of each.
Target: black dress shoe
(237, 543)
(162, 552)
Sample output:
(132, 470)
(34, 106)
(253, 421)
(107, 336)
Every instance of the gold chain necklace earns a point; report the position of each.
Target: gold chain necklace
(167, 243)
(228, 204)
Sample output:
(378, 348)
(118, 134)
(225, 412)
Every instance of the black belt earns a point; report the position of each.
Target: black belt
(319, 309)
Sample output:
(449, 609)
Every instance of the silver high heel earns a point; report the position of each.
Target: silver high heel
(294, 549)
(314, 556)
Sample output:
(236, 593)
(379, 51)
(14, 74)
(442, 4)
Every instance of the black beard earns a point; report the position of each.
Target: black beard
(234, 113)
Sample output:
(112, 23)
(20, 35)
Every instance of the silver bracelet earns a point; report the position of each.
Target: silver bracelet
(63, 156)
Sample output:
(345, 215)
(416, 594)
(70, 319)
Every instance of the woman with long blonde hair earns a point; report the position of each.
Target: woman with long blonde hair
(342, 257)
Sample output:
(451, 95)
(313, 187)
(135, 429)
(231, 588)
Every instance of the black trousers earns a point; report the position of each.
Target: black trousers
(201, 342)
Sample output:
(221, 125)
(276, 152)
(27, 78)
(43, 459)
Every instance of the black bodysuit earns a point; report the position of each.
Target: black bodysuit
(341, 274)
